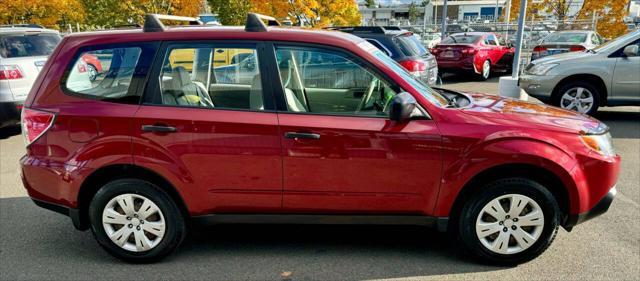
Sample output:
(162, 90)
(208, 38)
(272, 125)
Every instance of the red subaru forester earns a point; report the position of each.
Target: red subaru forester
(262, 124)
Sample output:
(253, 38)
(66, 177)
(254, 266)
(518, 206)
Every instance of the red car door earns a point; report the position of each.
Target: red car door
(218, 143)
(341, 154)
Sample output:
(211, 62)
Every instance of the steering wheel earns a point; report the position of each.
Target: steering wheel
(367, 95)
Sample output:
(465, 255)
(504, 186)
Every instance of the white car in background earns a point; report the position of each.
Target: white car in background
(430, 40)
(23, 52)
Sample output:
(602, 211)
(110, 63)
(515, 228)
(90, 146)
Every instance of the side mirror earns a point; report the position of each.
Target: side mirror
(402, 105)
(631, 50)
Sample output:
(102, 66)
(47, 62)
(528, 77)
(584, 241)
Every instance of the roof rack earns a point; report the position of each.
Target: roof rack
(255, 22)
(153, 23)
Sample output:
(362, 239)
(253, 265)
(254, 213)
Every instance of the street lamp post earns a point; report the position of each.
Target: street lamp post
(516, 58)
(444, 20)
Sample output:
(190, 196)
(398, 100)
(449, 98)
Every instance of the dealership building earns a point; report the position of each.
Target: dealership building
(392, 12)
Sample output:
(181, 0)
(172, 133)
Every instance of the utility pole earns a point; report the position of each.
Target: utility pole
(507, 19)
(444, 21)
(424, 22)
(516, 58)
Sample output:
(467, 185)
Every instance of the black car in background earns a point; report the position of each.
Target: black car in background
(401, 45)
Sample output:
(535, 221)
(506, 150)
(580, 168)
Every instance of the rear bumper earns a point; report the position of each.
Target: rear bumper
(74, 214)
(598, 209)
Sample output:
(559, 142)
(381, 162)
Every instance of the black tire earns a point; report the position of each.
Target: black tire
(175, 225)
(472, 208)
(556, 98)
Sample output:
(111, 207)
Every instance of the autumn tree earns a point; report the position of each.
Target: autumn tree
(231, 12)
(610, 16)
(50, 13)
(413, 12)
(314, 13)
(121, 12)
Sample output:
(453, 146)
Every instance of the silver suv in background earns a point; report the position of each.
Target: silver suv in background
(23, 52)
(608, 75)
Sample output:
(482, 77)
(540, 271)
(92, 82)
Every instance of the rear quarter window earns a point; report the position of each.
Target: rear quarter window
(109, 74)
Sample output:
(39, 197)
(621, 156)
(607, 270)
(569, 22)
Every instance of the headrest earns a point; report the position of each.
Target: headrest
(180, 77)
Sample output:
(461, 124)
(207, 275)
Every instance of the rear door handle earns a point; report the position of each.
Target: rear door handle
(294, 135)
(158, 128)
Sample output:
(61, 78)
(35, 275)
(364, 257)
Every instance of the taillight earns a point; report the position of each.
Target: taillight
(10, 72)
(435, 51)
(540, 49)
(414, 65)
(577, 48)
(35, 123)
(469, 51)
(82, 67)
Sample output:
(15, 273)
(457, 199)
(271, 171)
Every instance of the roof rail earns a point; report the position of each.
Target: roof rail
(255, 22)
(23, 25)
(360, 29)
(153, 23)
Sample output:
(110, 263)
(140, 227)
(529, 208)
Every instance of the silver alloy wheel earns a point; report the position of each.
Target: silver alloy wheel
(577, 98)
(93, 72)
(486, 69)
(510, 224)
(133, 222)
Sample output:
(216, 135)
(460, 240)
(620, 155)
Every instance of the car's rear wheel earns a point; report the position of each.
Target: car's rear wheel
(485, 71)
(136, 221)
(93, 72)
(509, 221)
(578, 96)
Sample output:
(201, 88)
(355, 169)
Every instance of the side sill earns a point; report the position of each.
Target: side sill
(440, 223)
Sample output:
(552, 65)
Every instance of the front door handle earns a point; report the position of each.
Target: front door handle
(294, 135)
(158, 128)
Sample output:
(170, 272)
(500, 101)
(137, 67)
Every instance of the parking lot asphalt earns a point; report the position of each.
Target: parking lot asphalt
(37, 244)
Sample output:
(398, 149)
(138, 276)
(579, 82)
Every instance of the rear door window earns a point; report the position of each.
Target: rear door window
(411, 46)
(211, 75)
(110, 74)
(28, 45)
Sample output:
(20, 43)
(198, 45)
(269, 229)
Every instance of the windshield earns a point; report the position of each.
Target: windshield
(461, 39)
(567, 37)
(432, 95)
(28, 45)
(411, 46)
(615, 44)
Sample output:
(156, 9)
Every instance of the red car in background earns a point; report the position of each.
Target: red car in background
(94, 66)
(478, 52)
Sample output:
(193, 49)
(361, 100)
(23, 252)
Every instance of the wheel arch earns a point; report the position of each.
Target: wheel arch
(541, 175)
(593, 79)
(101, 176)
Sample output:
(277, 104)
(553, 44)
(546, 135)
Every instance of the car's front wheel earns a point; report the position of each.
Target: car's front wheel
(509, 221)
(136, 221)
(578, 96)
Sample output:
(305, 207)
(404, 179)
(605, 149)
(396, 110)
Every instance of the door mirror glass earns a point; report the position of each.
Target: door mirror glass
(631, 50)
(402, 106)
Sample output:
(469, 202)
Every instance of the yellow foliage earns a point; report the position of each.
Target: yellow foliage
(316, 13)
(49, 13)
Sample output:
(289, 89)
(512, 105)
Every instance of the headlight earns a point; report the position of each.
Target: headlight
(599, 143)
(541, 69)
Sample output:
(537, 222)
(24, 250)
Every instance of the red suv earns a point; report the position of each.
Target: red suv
(171, 134)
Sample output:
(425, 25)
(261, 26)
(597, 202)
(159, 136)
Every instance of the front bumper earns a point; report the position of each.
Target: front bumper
(539, 86)
(598, 209)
